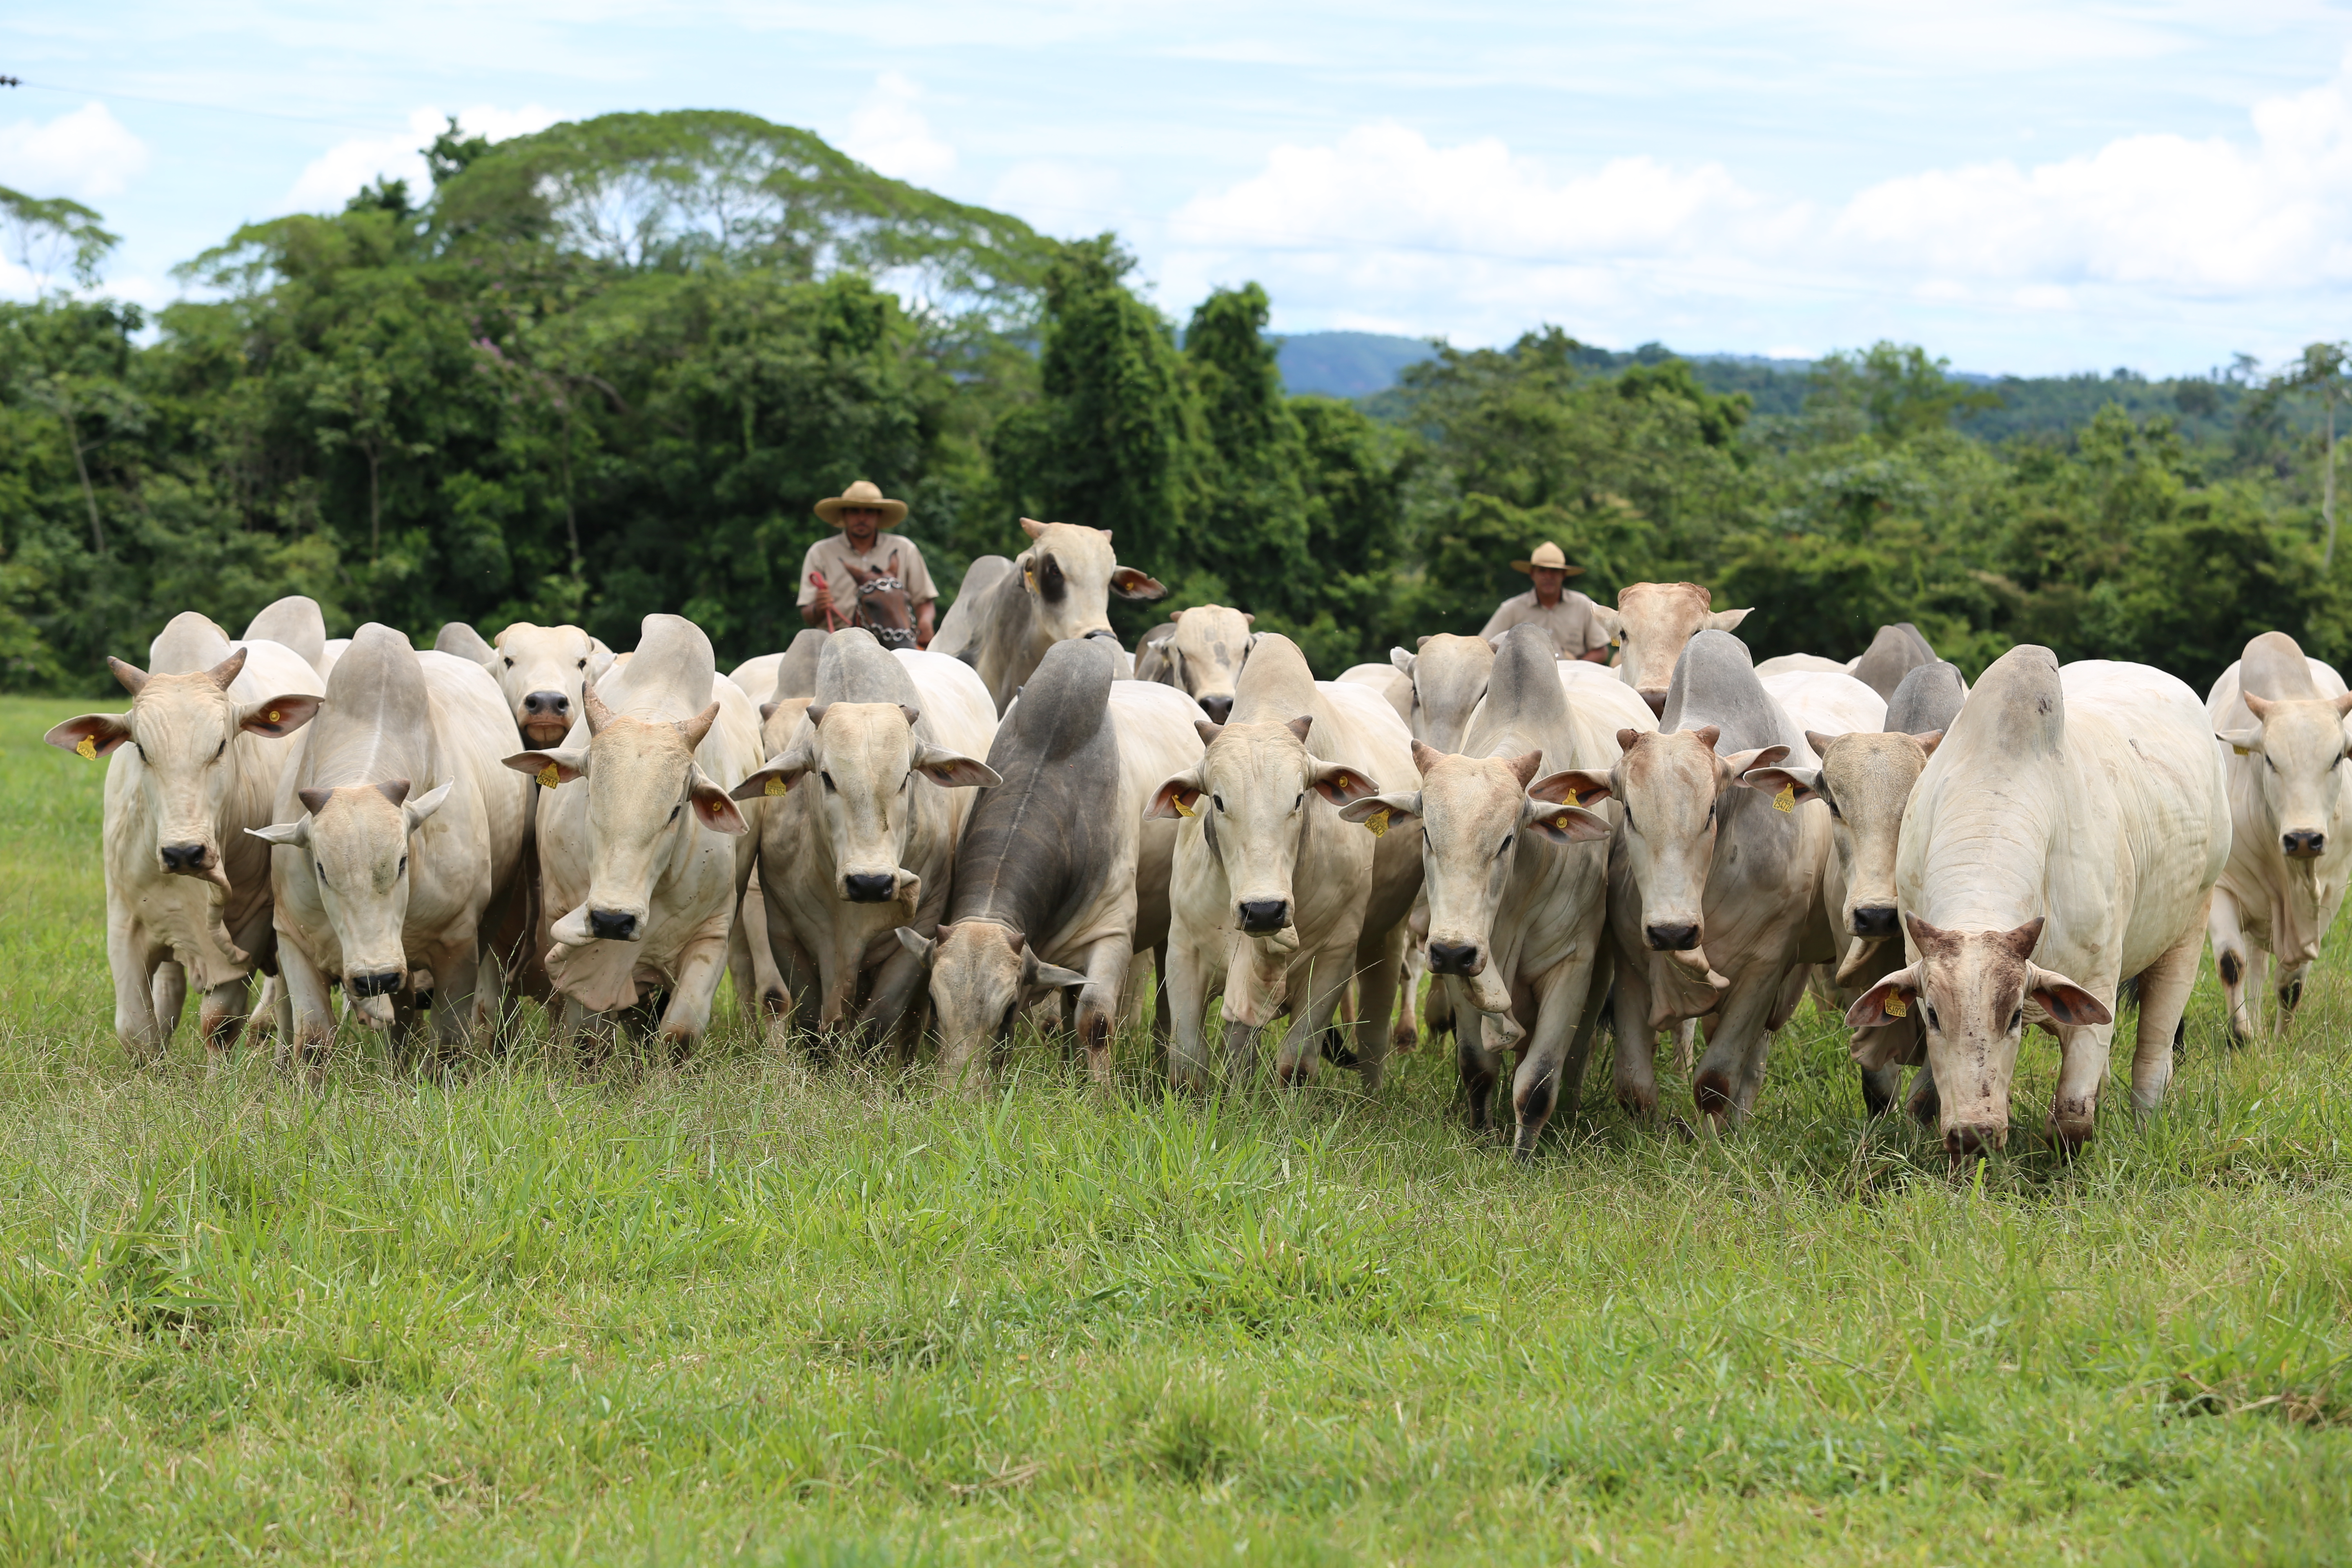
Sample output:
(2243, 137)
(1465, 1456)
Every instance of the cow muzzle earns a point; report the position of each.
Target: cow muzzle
(1657, 701)
(1873, 920)
(1218, 708)
(1463, 958)
(1972, 1141)
(613, 925)
(546, 718)
(870, 887)
(2303, 844)
(376, 983)
(1102, 632)
(1664, 937)
(1263, 917)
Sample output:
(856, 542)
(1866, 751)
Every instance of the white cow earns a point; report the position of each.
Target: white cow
(1205, 657)
(1652, 624)
(191, 766)
(539, 669)
(2065, 837)
(1059, 587)
(1273, 899)
(294, 622)
(398, 826)
(644, 867)
(876, 777)
(2280, 719)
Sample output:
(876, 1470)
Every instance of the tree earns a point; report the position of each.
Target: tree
(46, 235)
(2321, 372)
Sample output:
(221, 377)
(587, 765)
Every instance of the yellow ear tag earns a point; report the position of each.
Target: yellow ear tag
(548, 778)
(2242, 751)
(778, 786)
(87, 750)
(273, 715)
(1030, 577)
(1378, 823)
(1787, 799)
(1344, 782)
(1895, 1008)
(1181, 809)
(1561, 822)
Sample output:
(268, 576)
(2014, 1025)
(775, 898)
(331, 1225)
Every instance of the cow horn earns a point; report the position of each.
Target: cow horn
(226, 672)
(696, 728)
(130, 675)
(599, 715)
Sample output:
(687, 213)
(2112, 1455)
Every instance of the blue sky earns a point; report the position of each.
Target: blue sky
(2021, 186)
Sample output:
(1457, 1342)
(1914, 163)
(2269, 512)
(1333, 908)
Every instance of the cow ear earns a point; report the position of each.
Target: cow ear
(777, 776)
(916, 943)
(1339, 783)
(1571, 787)
(1248, 619)
(1800, 784)
(953, 769)
(1726, 620)
(1564, 823)
(1389, 809)
(714, 805)
(1180, 796)
(91, 734)
(1889, 1000)
(1035, 974)
(280, 715)
(1402, 660)
(1130, 583)
(418, 810)
(293, 833)
(600, 658)
(2244, 742)
(1930, 741)
(552, 768)
(1738, 763)
(2065, 1002)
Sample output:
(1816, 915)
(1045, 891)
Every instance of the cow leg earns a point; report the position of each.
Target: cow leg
(2083, 1058)
(1379, 1000)
(1295, 1059)
(688, 1016)
(1686, 1046)
(1636, 1071)
(2258, 975)
(768, 983)
(1543, 1056)
(262, 1022)
(220, 1016)
(1162, 1016)
(1412, 966)
(2290, 992)
(302, 1043)
(2164, 988)
(1479, 1067)
(141, 984)
(1107, 964)
(1725, 1085)
(455, 983)
(1188, 1002)
(2227, 933)
(1924, 1106)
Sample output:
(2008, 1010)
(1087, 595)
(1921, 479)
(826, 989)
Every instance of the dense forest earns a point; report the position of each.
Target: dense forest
(605, 370)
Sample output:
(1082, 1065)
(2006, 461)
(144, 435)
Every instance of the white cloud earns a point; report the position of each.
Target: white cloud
(1060, 197)
(332, 178)
(85, 154)
(889, 134)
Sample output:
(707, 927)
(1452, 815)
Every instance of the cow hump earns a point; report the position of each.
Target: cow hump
(1928, 699)
(1715, 683)
(854, 668)
(2275, 670)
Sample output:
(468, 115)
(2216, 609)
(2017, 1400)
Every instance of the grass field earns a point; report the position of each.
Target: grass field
(749, 1312)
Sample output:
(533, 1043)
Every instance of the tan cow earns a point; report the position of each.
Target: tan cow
(1651, 623)
(539, 669)
(644, 866)
(1449, 676)
(1273, 899)
(398, 827)
(1059, 587)
(193, 764)
(2280, 719)
(876, 777)
(2065, 837)
(296, 623)
(1205, 657)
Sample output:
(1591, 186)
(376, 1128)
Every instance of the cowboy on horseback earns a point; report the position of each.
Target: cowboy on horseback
(863, 576)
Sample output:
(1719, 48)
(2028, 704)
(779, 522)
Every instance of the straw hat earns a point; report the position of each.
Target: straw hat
(1547, 554)
(866, 493)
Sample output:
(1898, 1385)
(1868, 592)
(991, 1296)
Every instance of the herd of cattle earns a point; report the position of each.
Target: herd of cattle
(889, 841)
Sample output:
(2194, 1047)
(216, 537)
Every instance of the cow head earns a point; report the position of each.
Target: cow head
(981, 973)
(1653, 623)
(2300, 747)
(179, 728)
(1250, 791)
(356, 846)
(1670, 787)
(863, 758)
(1474, 817)
(1205, 657)
(1972, 989)
(541, 669)
(1449, 675)
(1866, 780)
(647, 799)
(1070, 574)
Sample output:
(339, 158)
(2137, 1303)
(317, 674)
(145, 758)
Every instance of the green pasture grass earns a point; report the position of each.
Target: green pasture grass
(751, 1310)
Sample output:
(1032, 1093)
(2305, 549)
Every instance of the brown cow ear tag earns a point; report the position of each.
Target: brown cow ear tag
(1787, 799)
(1378, 822)
(1895, 1008)
(548, 778)
(87, 750)
(778, 786)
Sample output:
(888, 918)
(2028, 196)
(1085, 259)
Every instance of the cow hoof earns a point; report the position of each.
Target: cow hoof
(2070, 1135)
(1963, 1146)
(1712, 1094)
(1640, 1106)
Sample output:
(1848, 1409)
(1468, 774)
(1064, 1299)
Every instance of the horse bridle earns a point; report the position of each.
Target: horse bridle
(888, 636)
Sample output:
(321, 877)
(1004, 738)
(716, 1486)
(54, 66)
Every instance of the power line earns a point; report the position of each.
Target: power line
(188, 103)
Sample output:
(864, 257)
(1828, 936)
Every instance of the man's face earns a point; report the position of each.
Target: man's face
(1548, 580)
(861, 523)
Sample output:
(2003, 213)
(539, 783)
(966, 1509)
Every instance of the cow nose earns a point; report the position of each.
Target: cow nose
(547, 705)
(1873, 920)
(1657, 701)
(870, 887)
(2304, 844)
(382, 982)
(1104, 632)
(183, 858)
(1218, 708)
(612, 925)
(1453, 958)
(1260, 916)
(1671, 939)
(1962, 1144)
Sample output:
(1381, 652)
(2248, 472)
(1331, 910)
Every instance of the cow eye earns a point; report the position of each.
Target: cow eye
(1507, 844)
(907, 780)
(2270, 762)
(1831, 801)
(1299, 802)
(674, 810)
(2016, 1020)
(583, 663)
(826, 777)
(1004, 1025)
(221, 748)
(1218, 801)
(403, 870)
(510, 664)
(1933, 1022)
